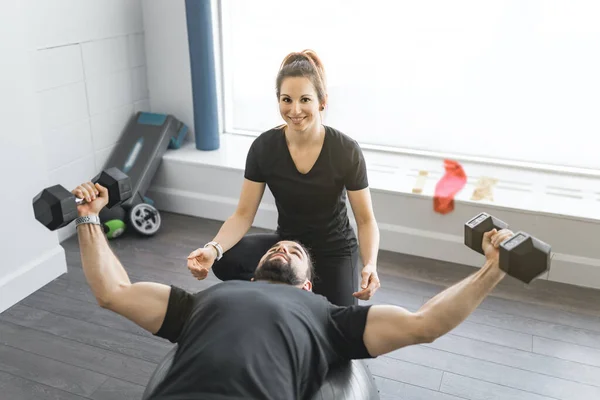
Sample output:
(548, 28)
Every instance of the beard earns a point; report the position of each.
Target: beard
(277, 270)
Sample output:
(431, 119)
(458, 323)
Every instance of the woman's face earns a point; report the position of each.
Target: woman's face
(299, 104)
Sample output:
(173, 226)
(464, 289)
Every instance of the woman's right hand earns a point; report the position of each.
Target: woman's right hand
(201, 260)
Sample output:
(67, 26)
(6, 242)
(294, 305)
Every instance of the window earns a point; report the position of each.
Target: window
(513, 80)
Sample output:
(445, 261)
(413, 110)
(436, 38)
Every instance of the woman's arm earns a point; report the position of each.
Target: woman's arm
(233, 229)
(368, 238)
(236, 226)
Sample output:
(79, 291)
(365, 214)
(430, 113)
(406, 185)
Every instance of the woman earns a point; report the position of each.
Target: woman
(309, 168)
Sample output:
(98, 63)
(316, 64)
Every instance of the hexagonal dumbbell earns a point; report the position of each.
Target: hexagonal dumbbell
(56, 207)
(522, 256)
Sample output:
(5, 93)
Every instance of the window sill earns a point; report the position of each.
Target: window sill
(527, 190)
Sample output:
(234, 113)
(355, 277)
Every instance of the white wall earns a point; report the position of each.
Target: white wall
(168, 59)
(73, 73)
(31, 256)
(90, 79)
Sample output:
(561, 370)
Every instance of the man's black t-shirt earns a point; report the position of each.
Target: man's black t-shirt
(312, 206)
(256, 340)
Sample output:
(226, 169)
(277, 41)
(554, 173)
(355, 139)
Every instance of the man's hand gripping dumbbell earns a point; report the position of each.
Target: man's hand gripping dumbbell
(522, 256)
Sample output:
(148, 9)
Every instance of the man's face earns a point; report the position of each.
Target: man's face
(285, 262)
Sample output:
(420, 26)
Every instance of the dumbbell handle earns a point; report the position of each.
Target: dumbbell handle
(477, 226)
(79, 201)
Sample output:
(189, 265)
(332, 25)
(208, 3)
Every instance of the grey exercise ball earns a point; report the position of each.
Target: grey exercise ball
(348, 381)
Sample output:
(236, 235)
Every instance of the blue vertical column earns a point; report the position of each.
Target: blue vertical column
(202, 65)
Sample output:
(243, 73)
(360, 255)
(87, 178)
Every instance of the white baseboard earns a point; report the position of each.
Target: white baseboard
(207, 206)
(31, 277)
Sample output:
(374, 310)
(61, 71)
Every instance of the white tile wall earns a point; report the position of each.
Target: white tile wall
(72, 174)
(139, 83)
(63, 105)
(58, 67)
(108, 126)
(90, 78)
(102, 57)
(137, 51)
(143, 105)
(109, 91)
(61, 22)
(67, 143)
(101, 156)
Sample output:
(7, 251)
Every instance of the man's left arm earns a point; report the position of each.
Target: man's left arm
(389, 328)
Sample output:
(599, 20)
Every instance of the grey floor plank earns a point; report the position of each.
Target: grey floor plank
(117, 389)
(567, 351)
(408, 284)
(144, 348)
(157, 271)
(185, 232)
(486, 333)
(391, 295)
(160, 256)
(77, 354)
(494, 335)
(474, 389)
(536, 327)
(81, 310)
(14, 387)
(393, 390)
(542, 292)
(542, 313)
(534, 342)
(405, 372)
(68, 285)
(49, 372)
(491, 372)
(73, 284)
(524, 360)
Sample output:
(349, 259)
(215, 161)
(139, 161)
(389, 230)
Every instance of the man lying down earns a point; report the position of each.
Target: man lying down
(271, 338)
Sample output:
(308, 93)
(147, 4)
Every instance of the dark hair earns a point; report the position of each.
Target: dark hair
(307, 64)
(310, 272)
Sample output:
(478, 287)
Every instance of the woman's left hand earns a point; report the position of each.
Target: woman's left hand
(369, 284)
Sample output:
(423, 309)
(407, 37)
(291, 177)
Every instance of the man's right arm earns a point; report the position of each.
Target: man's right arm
(389, 328)
(144, 303)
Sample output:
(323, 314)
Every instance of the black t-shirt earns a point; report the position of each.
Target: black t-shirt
(312, 206)
(256, 340)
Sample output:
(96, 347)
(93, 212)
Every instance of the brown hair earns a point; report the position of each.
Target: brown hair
(307, 64)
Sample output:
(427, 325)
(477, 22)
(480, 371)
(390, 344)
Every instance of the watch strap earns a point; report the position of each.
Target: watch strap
(88, 219)
(217, 247)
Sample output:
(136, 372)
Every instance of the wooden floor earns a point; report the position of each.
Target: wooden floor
(538, 342)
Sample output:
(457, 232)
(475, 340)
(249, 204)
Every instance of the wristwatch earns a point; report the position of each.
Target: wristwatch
(217, 247)
(88, 219)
